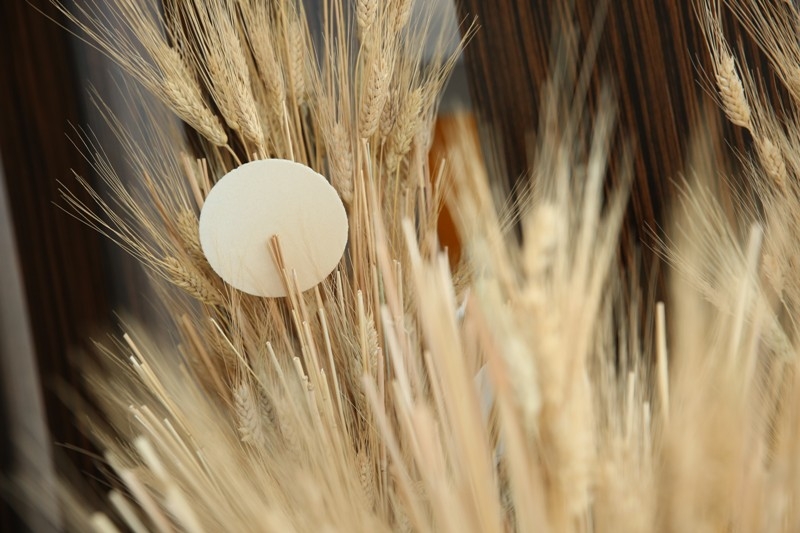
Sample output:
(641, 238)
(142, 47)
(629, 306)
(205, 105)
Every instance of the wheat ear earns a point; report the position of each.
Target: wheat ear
(192, 281)
(376, 90)
(731, 92)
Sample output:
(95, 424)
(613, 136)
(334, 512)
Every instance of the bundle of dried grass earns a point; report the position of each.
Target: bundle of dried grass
(523, 391)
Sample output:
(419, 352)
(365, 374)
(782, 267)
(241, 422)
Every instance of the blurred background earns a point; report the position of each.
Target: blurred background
(62, 283)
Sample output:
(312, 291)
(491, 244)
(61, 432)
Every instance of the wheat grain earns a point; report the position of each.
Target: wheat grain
(136, 40)
(731, 92)
(408, 121)
(260, 37)
(366, 13)
(388, 115)
(224, 67)
(373, 345)
(297, 61)
(374, 95)
(186, 224)
(366, 475)
(249, 416)
(402, 15)
(774, 29)
(191, 281)
(423, 140)
(182, 94)
(340, 154)
(232, 94)
(772, 161)
(289, 431)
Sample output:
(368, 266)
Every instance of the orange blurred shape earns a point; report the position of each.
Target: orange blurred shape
(448, 233)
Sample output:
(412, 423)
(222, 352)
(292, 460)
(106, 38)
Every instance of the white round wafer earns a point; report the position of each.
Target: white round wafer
(262, 199)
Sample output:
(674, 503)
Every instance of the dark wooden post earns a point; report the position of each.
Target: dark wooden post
(62, 261)
(653, 54)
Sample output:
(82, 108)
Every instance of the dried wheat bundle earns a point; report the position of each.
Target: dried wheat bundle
(531, 387)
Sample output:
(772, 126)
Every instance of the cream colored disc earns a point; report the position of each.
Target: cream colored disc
(272, 197)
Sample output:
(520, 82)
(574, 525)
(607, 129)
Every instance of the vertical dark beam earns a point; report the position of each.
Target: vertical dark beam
(652, 53)
(61, 259)
(506, 61)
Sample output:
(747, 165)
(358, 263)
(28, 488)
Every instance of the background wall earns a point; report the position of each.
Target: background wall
(27, 446)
